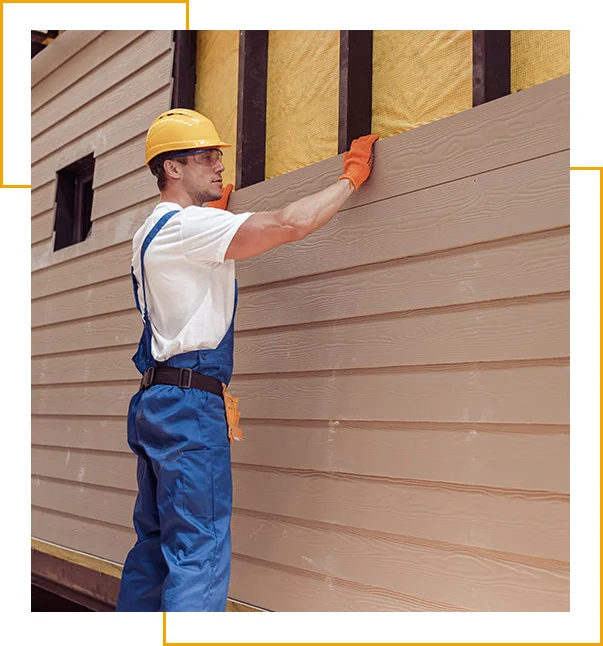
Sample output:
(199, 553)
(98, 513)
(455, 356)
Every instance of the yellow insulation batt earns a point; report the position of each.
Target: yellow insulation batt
(216, 89)
(538, 56)
(302, 104)
(419, 77)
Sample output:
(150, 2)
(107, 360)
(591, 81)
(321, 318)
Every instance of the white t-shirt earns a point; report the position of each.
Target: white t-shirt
(189, 285)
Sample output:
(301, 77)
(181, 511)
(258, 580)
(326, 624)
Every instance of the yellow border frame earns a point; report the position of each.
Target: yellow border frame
(2, 3)
(3, 185)
(166, 643)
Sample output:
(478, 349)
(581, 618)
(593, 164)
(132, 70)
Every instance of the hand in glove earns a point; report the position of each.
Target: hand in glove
(358, 161)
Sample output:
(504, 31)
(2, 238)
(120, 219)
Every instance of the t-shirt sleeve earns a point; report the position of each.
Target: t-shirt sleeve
(206, 232)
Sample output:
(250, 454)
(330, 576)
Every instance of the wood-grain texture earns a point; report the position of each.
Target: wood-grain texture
(403, 372)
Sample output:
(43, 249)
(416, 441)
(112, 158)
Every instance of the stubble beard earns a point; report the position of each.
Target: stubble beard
(201, 197)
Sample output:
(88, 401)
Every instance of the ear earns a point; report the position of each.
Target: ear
(172, 169)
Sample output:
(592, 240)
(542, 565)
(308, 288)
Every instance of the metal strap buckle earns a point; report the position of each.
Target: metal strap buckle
(189, 380)
(147, 378)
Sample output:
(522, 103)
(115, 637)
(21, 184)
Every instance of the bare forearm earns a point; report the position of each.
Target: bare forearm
(314, 211)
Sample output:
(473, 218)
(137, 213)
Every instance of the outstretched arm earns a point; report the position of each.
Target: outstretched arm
(268, 229)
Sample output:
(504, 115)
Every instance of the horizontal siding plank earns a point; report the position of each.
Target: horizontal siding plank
(107, 137)
(124, 192)
(100, 332)
(520, 522)
(505, 269)
(118, 100)
(117, 470)
(522, 456)
(524, 328)
(108, 505)
(98, 539)
(123, 57)
(521, 126)
(42, 199)
(110, 296)
(80, 432)
(512, 392)
(90, 268)
(503, 520)
(42, 227)
(103, 364)
(51, 60)
(485, 332)
(515, 200)
(124, 159)
(463, 576)
(286, 589)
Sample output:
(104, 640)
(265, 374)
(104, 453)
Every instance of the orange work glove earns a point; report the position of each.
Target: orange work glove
(358, 161)
(222, 203)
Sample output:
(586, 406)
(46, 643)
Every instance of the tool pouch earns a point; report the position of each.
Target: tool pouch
(231, 405)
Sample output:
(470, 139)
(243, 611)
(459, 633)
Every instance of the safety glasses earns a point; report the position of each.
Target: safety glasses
(207, 156)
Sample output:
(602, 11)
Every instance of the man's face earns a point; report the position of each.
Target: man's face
(201, 176)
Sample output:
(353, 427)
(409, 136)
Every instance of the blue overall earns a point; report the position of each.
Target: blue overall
(181, 560)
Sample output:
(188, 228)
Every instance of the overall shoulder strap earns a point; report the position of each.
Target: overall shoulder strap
(145, 245)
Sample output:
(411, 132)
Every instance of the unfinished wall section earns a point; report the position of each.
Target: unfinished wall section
(538, 56)
(302, 99)
(419, 77)
(216, 89)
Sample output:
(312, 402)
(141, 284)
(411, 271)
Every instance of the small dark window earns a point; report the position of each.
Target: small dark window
(74, 203)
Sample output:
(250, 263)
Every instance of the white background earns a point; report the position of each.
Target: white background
(92, 629)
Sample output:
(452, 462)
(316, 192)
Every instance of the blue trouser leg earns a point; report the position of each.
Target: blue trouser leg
(195, 530)
(145, 568)
(184, 504)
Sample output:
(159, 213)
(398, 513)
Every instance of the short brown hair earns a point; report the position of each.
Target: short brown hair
(156, 166)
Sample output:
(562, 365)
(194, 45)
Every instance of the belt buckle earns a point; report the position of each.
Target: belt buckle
(147, 378)
(189, 379)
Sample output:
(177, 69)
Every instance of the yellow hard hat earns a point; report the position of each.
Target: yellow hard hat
(181, 129)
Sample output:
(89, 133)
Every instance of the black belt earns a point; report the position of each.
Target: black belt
(182, 377)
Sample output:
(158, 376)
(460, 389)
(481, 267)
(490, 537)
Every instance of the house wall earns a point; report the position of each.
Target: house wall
(404, 377)
(92, 92)
(403, 372)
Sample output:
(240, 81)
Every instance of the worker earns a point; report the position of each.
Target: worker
(182, 420)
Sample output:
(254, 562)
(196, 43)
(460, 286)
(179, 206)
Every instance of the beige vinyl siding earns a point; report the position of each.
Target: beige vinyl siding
(49, 64)
(403, 374)
(92, 92)
(404, 377)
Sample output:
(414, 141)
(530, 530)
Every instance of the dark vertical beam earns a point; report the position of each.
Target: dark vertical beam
(251, 110)
(355, 86)
(491, 65)
(184, 69)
